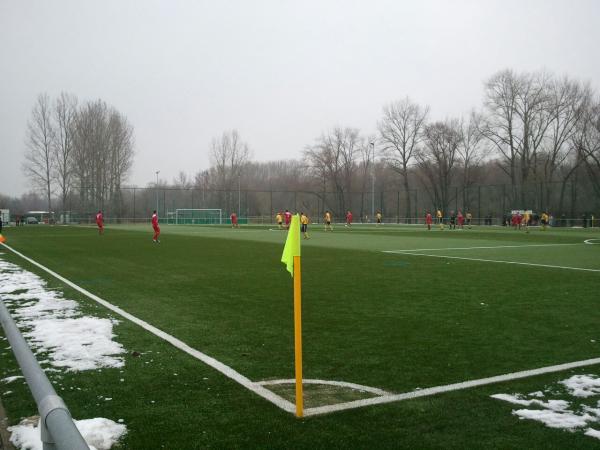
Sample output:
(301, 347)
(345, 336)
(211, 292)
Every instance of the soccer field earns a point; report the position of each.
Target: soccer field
(387, 311)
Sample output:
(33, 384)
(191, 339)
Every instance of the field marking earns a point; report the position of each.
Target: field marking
(449, 387)
(591, 241)
(258, 387)
(475, 248)
(209, 360)
(360, 387)
(495, 261)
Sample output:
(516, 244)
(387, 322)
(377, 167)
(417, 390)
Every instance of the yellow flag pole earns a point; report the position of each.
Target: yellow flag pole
(298, 336)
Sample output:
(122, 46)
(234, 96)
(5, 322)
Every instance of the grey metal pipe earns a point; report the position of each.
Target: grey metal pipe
(57, 427)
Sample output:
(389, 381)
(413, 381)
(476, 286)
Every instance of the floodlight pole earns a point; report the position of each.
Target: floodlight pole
(373, 184)
(157, 172)
(239, 193)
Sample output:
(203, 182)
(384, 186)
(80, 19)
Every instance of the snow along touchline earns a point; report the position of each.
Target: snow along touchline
(212, 362)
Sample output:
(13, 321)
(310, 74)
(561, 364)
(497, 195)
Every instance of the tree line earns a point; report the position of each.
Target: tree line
(536, 134)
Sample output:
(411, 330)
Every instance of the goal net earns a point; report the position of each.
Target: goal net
(197, 216)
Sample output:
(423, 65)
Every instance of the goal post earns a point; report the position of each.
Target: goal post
(185, 216)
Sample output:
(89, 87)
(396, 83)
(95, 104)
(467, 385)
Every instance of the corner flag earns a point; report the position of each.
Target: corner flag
(291, 258)
(292, 244)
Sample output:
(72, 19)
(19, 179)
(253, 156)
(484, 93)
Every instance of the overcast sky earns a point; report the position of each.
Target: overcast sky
(281, 72)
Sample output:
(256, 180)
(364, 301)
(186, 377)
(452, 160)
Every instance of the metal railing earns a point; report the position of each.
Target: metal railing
(58, 431)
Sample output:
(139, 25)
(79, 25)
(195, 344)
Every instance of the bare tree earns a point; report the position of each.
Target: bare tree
(516, 123)
(366, 164)
(400, 133)
(589, 145)
(228, 155)
(102, 154)
(182, 181)
(65, 111)
(470, 153)
(333, 159)
(569, 101)
(437, 159)
(39, 161)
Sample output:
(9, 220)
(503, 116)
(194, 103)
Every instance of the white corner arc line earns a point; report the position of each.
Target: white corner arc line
(496, 261)
(449, 387)
(209, 360)
(476, 248)
(360, 387)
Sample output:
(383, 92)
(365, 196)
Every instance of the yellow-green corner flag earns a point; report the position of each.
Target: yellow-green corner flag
(292, 244)
(291, 258)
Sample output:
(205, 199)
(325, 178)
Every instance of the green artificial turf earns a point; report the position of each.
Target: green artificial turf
(394, 321)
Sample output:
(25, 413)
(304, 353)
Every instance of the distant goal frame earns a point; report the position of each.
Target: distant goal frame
(201, 221)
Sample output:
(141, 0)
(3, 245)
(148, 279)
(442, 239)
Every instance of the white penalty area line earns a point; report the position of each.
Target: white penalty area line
(449, 387)
(210, 361)
(476, 248)
(464, 258)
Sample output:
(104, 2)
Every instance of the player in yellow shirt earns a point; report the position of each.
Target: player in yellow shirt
(439, 217)
(304, 225)
(279, 220)
(327, 218)
(378, 216)
(525, 221)
(544, 220)
(469, 218)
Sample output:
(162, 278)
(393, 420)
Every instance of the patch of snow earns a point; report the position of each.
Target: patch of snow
(538, 394)
(99, 433)
(11, 379)
(554, 405)
(559, 413)
(55, 326)
(582, 385)
(555, 419)
(593, 433)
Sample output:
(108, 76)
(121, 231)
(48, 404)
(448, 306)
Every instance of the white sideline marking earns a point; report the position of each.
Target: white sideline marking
(475, 248)
(591, 241)
(212, 362)
(360, 387)
(494, 260)
(448, 388)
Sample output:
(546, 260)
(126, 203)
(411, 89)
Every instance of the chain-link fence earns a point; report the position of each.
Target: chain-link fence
(568, 204)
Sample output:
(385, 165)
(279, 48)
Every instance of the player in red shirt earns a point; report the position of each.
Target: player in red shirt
(515, 221)
(234, 220)
(100, 222)
(428, 220)
(461, 219)
(288, 218)
(156, 227)
(349, 218)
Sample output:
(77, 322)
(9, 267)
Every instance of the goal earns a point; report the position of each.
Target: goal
(198, 216)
